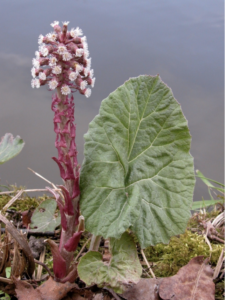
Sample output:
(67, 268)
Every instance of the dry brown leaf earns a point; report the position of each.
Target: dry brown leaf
(4, 255)
(145, 289)
(26, 217)
(52, 290)
(106, 297)
(21, 240)
(19, 261)
(49, 290)
(8, 289)
(192, 282)
(84, 293)
(76, 297)
(26, 291)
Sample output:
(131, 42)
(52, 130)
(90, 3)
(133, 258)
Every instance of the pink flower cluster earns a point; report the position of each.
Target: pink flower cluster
(63, 61)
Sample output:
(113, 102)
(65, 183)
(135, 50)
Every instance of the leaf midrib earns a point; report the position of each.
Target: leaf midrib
(153, 85)
(155, 136)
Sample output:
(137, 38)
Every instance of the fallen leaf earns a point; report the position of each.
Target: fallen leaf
(145, 289)
(22, 242)
(43, 218)
(4, 255)
(19, 261)
(8, 289)
(75, 297)
(49, 290)
(26, 291)
(26, 217)
(52, 290)
(192, 282)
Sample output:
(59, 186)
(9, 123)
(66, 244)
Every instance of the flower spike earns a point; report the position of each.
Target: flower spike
(65, 55)
(62, 63)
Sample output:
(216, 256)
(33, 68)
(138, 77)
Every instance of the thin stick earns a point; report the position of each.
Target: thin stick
(33, 232)
(81, 250)
(44, 265)
(6, 280)
(219, 220)
(147, 263)
(146, 273)
(31, 190)
(206, 238)
(39, 175)
(219, 265)
(112, 293)
(7, 192)
(13, 200)
(40, 267)
(208, 242)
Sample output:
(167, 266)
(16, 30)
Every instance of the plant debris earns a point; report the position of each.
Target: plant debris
(163, 259)
(193, 281)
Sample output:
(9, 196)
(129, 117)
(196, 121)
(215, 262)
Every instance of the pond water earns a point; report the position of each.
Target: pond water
(182, 41)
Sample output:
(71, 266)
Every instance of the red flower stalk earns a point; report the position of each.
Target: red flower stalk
(62, 62)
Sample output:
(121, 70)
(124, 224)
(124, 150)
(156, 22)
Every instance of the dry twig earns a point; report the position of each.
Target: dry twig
(147, 263)
(44, 265)
(82, 249)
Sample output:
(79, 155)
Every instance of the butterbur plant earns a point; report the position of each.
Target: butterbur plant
(63, 64)
(137, 175)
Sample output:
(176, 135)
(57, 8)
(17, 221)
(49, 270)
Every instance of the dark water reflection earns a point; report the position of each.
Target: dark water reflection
(180, 40)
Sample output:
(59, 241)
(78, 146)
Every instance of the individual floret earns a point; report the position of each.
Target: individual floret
(87, 92)
(54, 23)
(35, 83)
(36, 63)
(76, 32)
(61, 49)
(42, 76)
(52, 61)
(65, 89)
(72, 76)
(57, 70)
(53, 84)
(67, 56)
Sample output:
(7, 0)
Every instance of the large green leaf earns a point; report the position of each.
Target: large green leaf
(124, 267)
(138, 172)
(10, 147)
(43, 218)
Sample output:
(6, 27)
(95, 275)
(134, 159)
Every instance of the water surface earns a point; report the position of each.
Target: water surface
(180, 40)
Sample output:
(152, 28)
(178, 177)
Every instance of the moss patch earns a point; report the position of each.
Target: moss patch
(23, 203)
(168, 259)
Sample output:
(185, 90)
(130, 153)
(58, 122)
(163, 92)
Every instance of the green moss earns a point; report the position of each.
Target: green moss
(168, 259)
(24, 203)
(219, 290)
